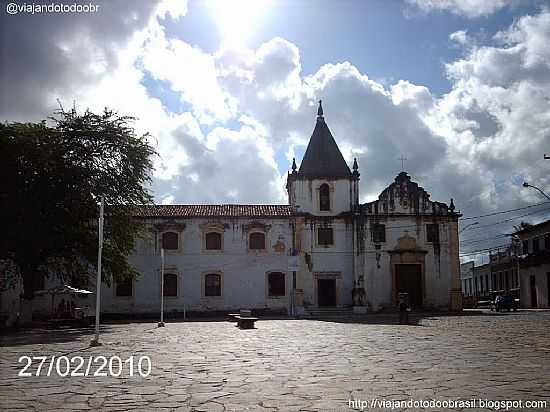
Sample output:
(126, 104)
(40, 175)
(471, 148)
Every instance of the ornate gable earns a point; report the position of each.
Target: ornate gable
(404, 196)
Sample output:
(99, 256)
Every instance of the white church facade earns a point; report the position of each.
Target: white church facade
(323, 249)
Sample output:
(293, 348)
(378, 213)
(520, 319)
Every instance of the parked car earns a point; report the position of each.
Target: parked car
(504, 302)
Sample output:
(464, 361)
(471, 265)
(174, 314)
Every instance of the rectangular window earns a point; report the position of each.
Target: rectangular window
(213, 285)
(535, 245)
(525, 246)
(276, 284)
(124, 288)
(257, 241)
(547, 241)
(432, 231)
(170, 241)
(170, 284)
(213, 241)
(378, 233)
(325, 236)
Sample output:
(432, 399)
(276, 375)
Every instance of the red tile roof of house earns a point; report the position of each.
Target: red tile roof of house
(215, 211)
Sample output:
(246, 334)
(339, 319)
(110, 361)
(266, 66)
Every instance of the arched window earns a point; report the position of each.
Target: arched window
(213, 241)
(257, 241)
(276, 284)
(170, 241)
(213, 285)
(170, 284)
(324, 197)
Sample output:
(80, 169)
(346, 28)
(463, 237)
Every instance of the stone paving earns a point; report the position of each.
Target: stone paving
(289, 365)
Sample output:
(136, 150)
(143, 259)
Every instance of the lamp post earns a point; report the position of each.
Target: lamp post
(468, 226)
(161, 323)
(95, 341)
(525, 184)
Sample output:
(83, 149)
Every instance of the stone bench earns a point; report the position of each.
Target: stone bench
(246, 322)
(244, 319)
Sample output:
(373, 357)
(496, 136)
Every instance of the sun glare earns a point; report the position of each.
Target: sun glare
(237, 19)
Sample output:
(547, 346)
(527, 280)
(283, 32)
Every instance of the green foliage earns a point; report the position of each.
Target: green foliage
(54, 177)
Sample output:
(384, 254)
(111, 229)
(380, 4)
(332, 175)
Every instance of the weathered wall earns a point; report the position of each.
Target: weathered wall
(244, 271)
(335, 260)
(436, 262)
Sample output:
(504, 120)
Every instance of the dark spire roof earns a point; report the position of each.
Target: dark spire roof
(323, 157)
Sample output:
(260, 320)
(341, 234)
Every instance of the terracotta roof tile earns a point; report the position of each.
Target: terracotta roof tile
(215, 211)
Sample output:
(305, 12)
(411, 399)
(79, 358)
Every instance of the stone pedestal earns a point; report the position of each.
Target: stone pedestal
(298, 302)
(298, 297)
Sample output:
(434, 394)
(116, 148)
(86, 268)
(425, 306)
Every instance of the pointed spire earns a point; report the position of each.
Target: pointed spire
(323, 157)
(355, 168)
(294, 165)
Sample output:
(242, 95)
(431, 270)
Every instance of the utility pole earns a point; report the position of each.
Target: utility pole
(95, 341)
(161, 323)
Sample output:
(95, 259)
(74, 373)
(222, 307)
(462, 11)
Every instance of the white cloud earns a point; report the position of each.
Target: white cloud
(496, 119)
(459, 36)
(467, 8)
(248, 104)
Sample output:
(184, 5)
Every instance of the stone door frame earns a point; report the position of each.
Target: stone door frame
(337, 276)
(407, 253)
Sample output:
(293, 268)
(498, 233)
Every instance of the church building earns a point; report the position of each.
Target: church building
(323, 249)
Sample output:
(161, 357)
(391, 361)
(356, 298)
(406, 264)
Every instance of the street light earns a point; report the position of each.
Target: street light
(95, 341)
(525, 184)
(467, 226)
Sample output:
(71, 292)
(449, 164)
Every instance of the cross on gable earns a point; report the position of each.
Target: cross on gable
(402, 162)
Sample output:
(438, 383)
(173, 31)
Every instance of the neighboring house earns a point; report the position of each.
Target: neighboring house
(504, 272)
(535, 265)
(482, 278)
(341, 253)
(467, 278)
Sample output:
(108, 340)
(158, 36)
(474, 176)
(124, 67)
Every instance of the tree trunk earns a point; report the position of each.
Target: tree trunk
(27, 272)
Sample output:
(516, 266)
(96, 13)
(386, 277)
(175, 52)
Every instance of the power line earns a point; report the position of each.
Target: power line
(510, 219)
(470, 241)
(503, 211)
(479, 251)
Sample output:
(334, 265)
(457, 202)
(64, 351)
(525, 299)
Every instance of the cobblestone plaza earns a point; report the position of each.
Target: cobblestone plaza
(289, 365)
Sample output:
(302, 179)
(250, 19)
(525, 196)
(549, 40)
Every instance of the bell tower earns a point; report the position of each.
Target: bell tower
(324, 185)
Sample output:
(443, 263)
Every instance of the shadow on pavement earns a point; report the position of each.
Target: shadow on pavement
(39, 335)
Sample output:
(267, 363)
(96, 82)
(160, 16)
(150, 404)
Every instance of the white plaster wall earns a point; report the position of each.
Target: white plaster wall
(337, 258)
(244, 272)
(540, 280)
